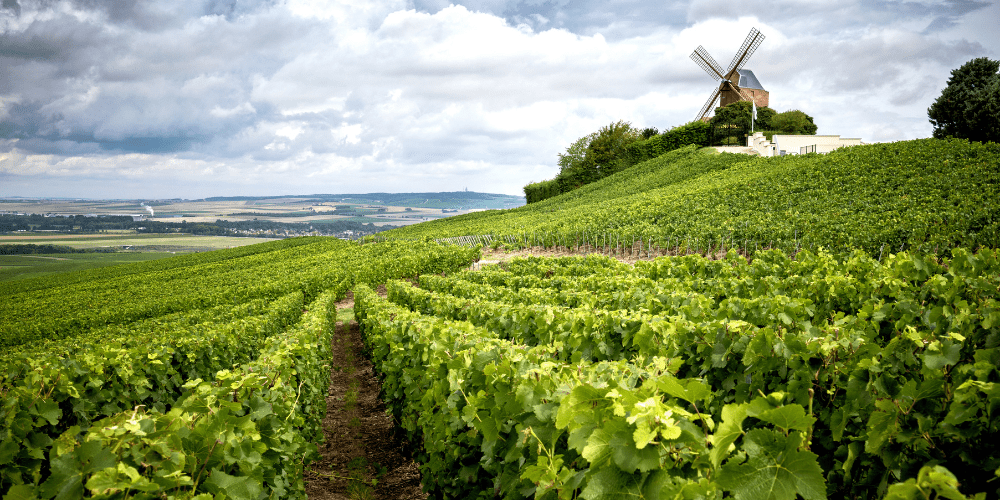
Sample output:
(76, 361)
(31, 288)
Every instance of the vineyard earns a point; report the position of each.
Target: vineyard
(751, 328)
(686, 377)
(203, 375)
(924, 195)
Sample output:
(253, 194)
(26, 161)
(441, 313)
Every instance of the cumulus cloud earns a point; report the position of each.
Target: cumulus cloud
(233, 97)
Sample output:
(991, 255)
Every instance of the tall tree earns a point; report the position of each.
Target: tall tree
(575, 153)
(969, 107)
(739, 113)
(607, 147)
(731, 124)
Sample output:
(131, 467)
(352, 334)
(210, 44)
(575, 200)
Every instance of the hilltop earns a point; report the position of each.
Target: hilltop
(924, 195)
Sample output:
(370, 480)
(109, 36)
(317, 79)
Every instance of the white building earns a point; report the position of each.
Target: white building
(781, 145)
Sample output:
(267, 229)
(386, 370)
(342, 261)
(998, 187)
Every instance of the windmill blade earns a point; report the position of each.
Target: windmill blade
(749, 47)
(744, 95)
(707, 63)
(709, 104)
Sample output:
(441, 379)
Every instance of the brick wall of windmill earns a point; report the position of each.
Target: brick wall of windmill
(759, 96)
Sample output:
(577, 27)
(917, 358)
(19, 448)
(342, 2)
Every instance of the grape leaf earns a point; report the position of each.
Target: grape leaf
(775, 470)
(237, 488)
(788, 417)
(690, 390)
(729, 430)
(609, 483)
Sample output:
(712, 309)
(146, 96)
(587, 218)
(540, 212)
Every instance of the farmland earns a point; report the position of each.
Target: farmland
(106, 249)
(135, 242)
(717, 327)
(30, 266)
(378, 208)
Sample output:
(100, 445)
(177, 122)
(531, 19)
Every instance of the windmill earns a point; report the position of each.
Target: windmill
(735, 84)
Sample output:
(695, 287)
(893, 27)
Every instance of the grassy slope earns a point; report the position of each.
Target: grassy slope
(17, 267)
(925, 193)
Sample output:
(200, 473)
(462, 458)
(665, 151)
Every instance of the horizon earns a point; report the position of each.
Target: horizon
(273, 196)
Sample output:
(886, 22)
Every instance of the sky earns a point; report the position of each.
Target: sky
(195, 98)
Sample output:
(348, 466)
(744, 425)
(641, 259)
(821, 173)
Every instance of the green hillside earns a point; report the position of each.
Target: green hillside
(823, 373)
(920, 195)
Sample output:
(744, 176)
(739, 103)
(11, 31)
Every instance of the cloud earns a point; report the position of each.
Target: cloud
(422, 94)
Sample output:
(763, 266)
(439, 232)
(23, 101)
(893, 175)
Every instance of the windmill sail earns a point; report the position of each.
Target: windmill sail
(749, 46)
(731, 81)
(709, 104)
(707, 63)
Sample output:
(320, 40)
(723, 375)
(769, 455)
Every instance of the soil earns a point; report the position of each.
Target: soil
(626, 255)
(362, 457)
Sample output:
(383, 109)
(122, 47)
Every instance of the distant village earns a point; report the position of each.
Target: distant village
(14, 222)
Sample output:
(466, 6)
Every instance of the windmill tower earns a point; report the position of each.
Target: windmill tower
(735, 84)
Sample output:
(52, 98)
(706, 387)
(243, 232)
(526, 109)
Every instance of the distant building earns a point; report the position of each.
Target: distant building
(781, 145)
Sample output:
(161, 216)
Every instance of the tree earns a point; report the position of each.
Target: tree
(607, 147)
(969, 107)
(732, 123)
(739, 112)
(793, 122)
(649, 132)
(575, 153)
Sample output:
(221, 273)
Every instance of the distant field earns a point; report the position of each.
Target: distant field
(16, 267)
(321, 208)
(182, 243)
(61, 238)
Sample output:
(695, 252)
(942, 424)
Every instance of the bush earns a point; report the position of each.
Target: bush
(793, 122)
(538, 191)
(696, 132)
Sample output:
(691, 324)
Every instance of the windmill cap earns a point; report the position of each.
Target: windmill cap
(748, 80)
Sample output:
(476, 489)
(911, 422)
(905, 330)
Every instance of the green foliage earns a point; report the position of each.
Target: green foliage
(538, 191)
(574, 156)
(684, 376)
(927, 195)
(969, 107)
(697, 132)
(613, 148)
(606, 148)
(67, 305)
(30, 249)
(223, 401)
(648, 133)
(793, 122)
(594, 156)
(931, 482)
(744, 109)
(731, 123)
(244, 434)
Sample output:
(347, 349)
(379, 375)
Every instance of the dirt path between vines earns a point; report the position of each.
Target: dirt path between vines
(362, 457)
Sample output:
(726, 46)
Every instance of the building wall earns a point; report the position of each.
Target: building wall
(793, 144)
(759, 96)
(797, 144)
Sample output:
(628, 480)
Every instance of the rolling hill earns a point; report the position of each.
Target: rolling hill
(918, 195)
